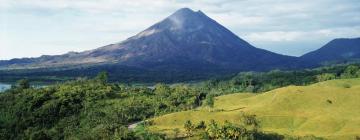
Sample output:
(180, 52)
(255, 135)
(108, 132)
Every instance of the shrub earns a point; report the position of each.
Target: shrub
(188, 127)
(201, 125)
(346, 85)
(329, 101)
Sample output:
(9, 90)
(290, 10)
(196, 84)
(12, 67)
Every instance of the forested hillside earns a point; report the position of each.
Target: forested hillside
(96, 109)
(86, 109)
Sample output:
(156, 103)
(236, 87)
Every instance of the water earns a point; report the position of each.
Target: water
(4, 86)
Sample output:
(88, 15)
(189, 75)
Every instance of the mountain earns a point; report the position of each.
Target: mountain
(184, 40)
(337, 50)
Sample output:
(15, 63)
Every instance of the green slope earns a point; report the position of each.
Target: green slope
(328, 109)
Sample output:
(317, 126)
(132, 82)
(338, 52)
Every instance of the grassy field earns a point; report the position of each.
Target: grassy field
(328, 109)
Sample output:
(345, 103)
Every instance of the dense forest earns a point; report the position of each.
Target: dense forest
(116, 73)
(98, 109)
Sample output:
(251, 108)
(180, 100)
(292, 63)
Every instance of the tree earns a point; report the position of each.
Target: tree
(201, 125)
(23, 84)
(213, 130)
(325, 77)
(162, 89)
(350, 72)
(232, 131)
(358, 73)
(188, 126)
(248, 79)
(250, 122)
(102, 77)
(209, 101)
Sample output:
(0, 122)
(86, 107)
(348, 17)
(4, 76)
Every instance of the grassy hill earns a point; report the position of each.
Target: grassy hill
(329, 109)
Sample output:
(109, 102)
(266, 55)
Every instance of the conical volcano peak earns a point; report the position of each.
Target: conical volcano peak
(182, 20)
(187, 26)
(184, 11)
(186, 18)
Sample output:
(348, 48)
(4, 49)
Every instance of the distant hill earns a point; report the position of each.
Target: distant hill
(337, 50)
(186, 40)
(327, 109)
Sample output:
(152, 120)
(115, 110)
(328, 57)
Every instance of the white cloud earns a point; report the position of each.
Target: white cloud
(286, 36)
(274, 36)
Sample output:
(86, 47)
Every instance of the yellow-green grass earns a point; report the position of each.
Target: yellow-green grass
(329, 109)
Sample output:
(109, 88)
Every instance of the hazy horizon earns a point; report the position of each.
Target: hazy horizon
(34, 28)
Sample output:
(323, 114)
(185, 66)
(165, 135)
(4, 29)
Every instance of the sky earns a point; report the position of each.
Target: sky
(31, 28)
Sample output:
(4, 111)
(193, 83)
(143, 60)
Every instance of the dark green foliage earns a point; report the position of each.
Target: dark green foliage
(102, 77)
(87, 109)
(351, 71)
(201, 125)
(162, 89)
(23, 84)
(118, 73)
(209, 101)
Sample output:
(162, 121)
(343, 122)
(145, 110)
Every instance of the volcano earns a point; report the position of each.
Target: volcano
(185, 40)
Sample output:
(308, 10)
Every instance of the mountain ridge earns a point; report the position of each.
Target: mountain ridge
(337, 50)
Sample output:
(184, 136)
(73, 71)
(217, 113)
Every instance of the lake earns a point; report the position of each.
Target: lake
(4, 86)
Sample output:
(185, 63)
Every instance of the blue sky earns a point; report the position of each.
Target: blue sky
(31, 28)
